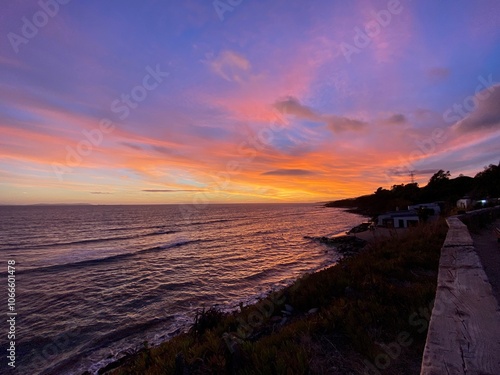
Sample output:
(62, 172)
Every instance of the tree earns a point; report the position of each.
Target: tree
(487, 182)
(439, 177)
(439, 187)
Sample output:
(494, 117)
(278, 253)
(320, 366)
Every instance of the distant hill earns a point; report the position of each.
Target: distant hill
(59, 204)
(440, 188)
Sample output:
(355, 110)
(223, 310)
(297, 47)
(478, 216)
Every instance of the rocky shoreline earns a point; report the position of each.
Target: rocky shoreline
(320, 323)
(345, 245)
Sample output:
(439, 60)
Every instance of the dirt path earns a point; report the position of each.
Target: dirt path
(488, 249)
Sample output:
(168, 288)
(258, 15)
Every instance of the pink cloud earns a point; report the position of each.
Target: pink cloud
(230, 66)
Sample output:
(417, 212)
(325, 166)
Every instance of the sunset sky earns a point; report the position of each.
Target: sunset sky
(242, 101)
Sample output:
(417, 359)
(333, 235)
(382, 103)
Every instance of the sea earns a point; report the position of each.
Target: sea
(96, 281)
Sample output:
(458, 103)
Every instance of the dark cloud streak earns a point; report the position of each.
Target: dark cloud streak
(288, 172)
(396, 119)
(486, 116)
(170, 191)
(292, 106)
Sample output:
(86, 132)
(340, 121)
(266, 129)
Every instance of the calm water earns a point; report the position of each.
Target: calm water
(93, 281)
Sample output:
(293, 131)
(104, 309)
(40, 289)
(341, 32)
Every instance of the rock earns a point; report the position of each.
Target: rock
(343, 244)
(360, 228)
(313, 310)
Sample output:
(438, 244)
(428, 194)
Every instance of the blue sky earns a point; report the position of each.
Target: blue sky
(254, 102)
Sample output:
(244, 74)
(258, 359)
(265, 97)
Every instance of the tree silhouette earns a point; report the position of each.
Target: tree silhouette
(439, 177)
(487, 182)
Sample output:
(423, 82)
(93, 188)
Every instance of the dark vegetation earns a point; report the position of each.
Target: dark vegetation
(341, 320)
(441, 188)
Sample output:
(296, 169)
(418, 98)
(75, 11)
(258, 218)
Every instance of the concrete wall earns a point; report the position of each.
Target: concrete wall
(464, 330)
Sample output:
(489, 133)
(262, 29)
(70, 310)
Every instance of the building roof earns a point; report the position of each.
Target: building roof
(400, 213)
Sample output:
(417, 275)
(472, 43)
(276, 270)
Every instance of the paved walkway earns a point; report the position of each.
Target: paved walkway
(488, 250)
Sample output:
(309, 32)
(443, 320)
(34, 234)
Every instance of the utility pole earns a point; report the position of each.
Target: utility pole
(412, 176)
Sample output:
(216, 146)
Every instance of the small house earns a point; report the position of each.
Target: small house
(398, 219)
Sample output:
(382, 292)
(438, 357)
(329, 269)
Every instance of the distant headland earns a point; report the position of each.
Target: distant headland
(440, 188)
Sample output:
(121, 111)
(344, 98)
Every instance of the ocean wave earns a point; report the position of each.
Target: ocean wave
(93, 240)
(206, 222)
(258, 275)
(109, 259)
(105, 340)
(127, 228)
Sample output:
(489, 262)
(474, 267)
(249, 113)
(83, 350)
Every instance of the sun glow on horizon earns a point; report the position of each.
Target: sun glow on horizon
(170, 104)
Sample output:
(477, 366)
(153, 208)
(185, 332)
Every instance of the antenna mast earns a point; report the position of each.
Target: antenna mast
(412, 176)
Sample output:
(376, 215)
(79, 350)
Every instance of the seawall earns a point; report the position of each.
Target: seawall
(464, 329)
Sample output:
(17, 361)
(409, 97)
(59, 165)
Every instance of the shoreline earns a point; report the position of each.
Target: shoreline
(285, 313)
(349, 246)
(345, 250)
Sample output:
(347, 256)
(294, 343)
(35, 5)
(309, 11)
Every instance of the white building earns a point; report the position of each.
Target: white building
(398, 219)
